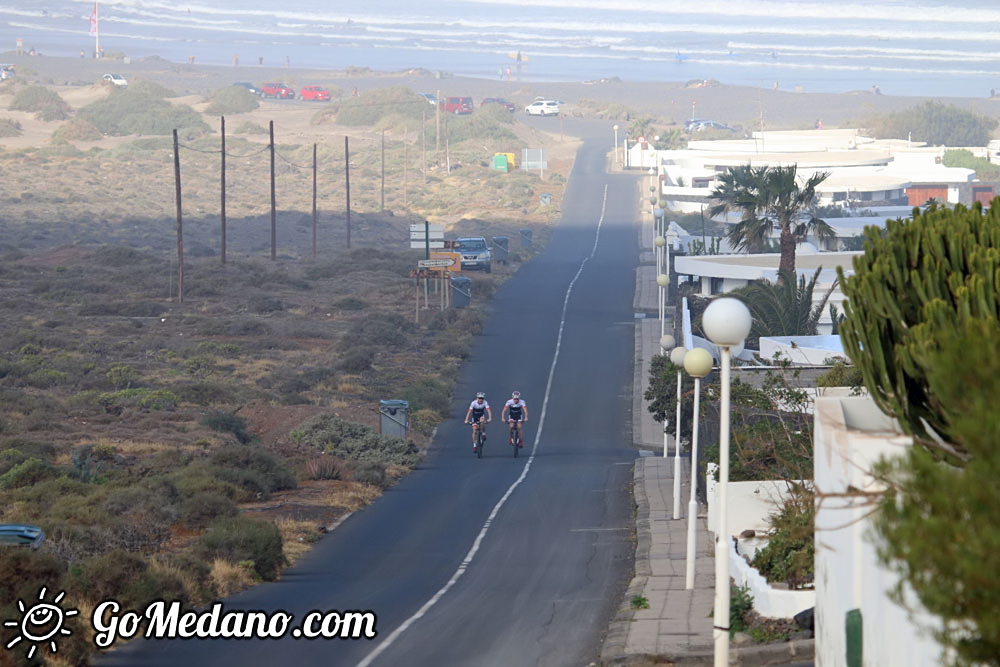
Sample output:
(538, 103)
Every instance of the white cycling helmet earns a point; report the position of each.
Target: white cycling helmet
(480, 394)
(516, 395)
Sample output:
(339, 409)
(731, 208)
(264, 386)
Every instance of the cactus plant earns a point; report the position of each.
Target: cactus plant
(940, 267)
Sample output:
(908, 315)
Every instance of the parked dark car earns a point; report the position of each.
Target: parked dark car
(249, 86)
(509, 106)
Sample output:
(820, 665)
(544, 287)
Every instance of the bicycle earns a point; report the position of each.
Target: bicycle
(515, 437)
(480, 437)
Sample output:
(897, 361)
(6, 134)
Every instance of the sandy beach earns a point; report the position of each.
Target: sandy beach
(747, 107)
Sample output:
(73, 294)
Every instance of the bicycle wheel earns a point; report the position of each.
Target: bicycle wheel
(515, 439)
(480, 442)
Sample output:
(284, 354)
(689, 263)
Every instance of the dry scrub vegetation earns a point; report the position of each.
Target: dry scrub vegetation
(188, 449)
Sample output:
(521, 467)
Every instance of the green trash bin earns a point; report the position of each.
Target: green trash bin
(500, 163)
(461, 291)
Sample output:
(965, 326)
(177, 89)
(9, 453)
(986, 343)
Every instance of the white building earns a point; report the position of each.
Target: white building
(854, 613)
(862, 170)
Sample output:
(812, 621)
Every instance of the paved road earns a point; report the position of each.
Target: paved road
(536, 582)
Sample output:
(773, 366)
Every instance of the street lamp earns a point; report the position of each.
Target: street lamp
(726, 322)
(677, 359)
(666, 343)
(615, 128)
(698, 364)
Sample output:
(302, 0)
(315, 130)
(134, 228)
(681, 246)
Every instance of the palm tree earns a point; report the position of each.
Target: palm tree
(770, 198)
(784, 308)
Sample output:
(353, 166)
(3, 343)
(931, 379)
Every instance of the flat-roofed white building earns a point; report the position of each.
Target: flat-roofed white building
(719, 274)
(862, 169)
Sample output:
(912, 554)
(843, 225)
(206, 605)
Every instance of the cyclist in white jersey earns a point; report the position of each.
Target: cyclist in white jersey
(479, 413)
(515, 410)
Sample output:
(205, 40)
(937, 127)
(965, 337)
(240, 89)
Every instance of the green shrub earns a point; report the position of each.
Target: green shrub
(231, 100)
(206, 393)
(150, 88)
(740, 604)
(241, 539)
(27, 473)
(249, 127)
(791, 546)
(44, 103)
(253, 468)
(371, 473)
(379, 329)
(354, 442)
(350, 303)
(145, 399)
(106, 577)
(121, 376)
(10, 458)
(204, 507)
(10, 128)
(370, 108)
(357, 360)
(127, 111)
(428, 393)
(228, 422)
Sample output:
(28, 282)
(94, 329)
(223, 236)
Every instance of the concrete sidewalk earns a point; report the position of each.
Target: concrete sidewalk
(676, 628)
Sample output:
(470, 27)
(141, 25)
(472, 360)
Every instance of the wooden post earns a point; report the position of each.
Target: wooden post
(404, 170)
(423, 144)
(222, 210)
(382, 205)
(274, 206)
(314, 201)
(416, 299)
(180, 221)
(447, 152)
(437, 121)
(347, 185)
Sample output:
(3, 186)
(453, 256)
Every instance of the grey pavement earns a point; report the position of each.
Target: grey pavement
(676, 628)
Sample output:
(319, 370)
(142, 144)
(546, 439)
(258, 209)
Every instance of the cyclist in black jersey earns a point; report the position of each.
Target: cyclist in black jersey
(516, 411)
(479, 413)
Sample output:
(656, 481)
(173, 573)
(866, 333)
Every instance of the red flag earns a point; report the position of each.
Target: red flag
(93, 21)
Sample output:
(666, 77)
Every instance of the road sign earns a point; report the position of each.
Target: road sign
(431, 228)
(423, 244)
(416, 236)
(438, 263)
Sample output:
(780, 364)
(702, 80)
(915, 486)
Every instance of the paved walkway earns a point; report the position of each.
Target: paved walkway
(676, 628)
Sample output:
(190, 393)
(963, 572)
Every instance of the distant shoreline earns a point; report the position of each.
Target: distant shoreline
(733, 105)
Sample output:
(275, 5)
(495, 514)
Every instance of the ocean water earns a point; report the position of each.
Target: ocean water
(939, 48)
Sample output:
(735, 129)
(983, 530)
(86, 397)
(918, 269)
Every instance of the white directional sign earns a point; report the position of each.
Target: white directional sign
(440, 263)
(432, 228)
(423, 244)
(416, 236)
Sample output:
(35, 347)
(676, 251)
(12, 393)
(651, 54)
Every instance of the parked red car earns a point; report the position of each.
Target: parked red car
(315, 94)
(277, 91)
(457, 105)
(509, 106)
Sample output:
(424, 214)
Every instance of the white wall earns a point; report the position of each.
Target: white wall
(851, 434)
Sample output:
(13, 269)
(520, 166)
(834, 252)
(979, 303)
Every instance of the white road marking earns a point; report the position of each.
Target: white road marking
(405, 625)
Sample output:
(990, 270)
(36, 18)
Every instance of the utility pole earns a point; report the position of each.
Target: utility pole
(314, 201)
(180, 224)
(222, 210)
(382, 205)
(347, 178)
(437, 120)
(274, 205)
(423, 144)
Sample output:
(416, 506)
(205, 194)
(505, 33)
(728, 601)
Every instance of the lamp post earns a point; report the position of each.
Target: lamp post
(726, 322)
(666, 343)
(677, 359)
(615, 128)
(698, 364)
(661, 279)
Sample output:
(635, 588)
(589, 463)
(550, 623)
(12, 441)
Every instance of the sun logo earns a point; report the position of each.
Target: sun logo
(40, 623)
